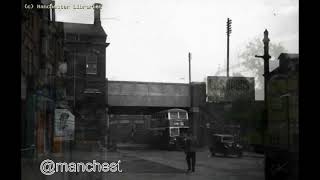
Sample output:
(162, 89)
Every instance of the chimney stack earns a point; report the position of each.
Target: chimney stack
(97, 7)
(53, 13)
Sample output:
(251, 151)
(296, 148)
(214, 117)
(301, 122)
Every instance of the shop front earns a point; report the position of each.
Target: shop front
(43, 114)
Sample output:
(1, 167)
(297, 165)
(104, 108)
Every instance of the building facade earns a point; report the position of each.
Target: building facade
(283, 102)
(282, 138)
(85, 48)
(30, 52)
(41, 55)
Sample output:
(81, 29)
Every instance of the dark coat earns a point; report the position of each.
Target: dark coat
(190, 144)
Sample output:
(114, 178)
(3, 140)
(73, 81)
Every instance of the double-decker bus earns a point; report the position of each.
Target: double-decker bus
(168, 127)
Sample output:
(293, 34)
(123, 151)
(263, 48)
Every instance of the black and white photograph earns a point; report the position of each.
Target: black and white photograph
(159, 89)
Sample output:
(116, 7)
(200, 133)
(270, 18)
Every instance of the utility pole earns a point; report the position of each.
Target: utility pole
(74, 80)
(190, 93)
(266, 57)
(189, 68)
(229, 21)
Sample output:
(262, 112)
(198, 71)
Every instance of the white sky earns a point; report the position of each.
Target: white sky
(150, 39)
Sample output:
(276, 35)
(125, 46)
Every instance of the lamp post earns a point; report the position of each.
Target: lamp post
(265, 58)
(190, 94)
(74, 81)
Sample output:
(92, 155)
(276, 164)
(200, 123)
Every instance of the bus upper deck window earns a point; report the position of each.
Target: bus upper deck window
(182, 115)
(173, 115)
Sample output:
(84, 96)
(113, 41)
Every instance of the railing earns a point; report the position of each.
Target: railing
(31, 148)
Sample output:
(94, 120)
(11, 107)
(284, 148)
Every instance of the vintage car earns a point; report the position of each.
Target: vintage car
(224, 144)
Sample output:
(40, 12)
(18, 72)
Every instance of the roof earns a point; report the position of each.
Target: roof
(228, 135)
(174, 110)
(89, 29)
(273, 72)
(288, 56)
(286, 60)
(146, 82)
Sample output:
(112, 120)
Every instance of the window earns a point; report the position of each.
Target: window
(51, 43)
(80, 62)
(174, 132)
(140, 126)
(91, 65)
(275, 140)
(182, 115)
(31, 22)
(173, 115)
(71, 36)
(276, 103)
(24, 60)
(227, 139)
(30, 60)
(84, 37)
(45, 46)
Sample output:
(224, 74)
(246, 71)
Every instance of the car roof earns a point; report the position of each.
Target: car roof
(225, 135)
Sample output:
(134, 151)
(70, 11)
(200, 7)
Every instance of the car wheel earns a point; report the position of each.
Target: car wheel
(240, 154)
(225, 154)
(213, 154)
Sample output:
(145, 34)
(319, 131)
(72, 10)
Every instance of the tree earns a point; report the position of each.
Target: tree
(255, 65)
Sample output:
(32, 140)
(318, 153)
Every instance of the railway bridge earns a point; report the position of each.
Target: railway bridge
(130, 105)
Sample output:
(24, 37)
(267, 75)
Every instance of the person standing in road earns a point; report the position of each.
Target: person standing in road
(190, 151)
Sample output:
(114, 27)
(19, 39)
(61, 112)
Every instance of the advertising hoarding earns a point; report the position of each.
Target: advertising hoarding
(228, 89)
(64, 124)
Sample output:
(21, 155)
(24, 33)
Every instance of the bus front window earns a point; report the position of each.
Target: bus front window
(174, 132)
(173, 115)
(182, 115)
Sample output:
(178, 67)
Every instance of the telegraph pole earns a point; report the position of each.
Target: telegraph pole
(266, 57)
(189, 68)
(229, 21)
(74, 82)
(190, 92)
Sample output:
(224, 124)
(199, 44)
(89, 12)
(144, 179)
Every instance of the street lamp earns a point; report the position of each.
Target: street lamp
(190, 95)
(266, 57)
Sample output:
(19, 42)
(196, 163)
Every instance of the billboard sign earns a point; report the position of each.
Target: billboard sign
(228, 89)
(64, 124)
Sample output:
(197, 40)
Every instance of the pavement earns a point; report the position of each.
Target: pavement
(207, 167)
(131, 146)
(151, 164)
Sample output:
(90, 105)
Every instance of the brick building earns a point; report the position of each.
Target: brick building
(30, 52)
(283, 102)
(282, 137)
(85, 48)
(41, 56)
